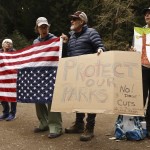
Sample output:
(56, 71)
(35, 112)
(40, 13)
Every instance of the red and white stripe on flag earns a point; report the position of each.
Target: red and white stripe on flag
(41, 54)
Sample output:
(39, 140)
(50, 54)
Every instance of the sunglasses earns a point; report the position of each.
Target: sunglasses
(74, 19)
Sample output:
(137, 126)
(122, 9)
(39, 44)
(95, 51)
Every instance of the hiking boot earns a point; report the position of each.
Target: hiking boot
(3, 117)
(87, 135)
(76, 128)
(37, 130)
(10, 117)
(54, 135)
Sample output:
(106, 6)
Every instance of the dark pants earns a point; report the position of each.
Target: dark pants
(9, 109)
(90, 119)
(146, 93)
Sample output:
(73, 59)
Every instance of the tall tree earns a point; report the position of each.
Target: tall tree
(115, 22)
(114, 19)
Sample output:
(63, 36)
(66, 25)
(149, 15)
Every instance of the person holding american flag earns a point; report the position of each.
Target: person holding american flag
(51, 121)
(9, 111)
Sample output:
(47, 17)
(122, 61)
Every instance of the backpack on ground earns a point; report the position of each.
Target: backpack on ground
(129, 127)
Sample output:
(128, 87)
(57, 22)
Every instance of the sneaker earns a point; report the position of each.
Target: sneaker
(87, 135)
(10, 117)
(37, 130)
(76, 128)
(3, 117)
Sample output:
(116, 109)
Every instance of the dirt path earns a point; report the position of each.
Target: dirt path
(18, 134)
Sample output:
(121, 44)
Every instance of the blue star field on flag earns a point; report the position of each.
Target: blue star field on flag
(36, 85)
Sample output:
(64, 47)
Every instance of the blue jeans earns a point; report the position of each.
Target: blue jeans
(7, 109)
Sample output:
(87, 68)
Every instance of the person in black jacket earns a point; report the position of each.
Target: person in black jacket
(83, 40)
(9, 111)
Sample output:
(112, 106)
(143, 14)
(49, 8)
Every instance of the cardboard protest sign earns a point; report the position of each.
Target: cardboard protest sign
(109, 83)
(142, 43)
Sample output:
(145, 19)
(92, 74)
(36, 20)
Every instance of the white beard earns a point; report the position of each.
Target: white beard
(75, 27)
(72, 27)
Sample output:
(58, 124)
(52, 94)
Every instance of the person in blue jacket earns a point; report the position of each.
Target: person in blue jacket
(83, 40)
(51, 121)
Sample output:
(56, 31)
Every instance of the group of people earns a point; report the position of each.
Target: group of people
(82, 40)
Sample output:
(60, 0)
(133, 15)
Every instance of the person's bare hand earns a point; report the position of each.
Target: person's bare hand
(99, 51)
(132, 49)
(64, 37)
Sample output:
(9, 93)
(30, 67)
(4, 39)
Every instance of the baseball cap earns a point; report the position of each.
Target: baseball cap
(7, 40)
(81, 15)
(145, 10)
(42, 20)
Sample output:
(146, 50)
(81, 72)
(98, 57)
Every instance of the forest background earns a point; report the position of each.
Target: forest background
(113, 19)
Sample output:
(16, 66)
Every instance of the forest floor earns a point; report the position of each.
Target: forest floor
(18, 134)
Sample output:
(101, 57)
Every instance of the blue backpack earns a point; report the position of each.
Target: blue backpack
(129, 127)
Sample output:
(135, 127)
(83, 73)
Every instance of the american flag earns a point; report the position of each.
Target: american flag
(28, 75)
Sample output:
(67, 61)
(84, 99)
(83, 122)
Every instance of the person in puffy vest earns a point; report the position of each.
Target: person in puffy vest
(83, 40)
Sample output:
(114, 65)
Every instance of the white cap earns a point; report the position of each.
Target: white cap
(42, 20)
(7, 40)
